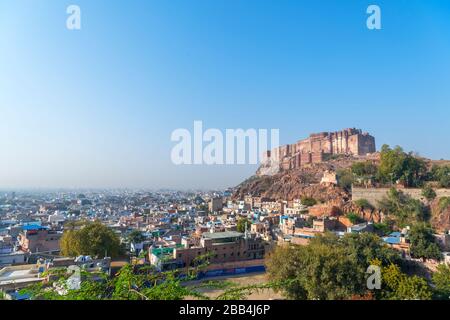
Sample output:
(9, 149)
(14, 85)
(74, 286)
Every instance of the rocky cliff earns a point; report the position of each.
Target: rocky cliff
(294, 183)
(440, 218)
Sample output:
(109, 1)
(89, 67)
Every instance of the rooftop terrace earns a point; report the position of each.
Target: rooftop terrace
(222, 235)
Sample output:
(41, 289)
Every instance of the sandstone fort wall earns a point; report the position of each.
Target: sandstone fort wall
(319, 147)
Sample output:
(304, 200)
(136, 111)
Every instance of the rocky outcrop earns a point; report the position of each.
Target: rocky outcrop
(440, 218)
(293, 185)
(367, 214)
(312, 181)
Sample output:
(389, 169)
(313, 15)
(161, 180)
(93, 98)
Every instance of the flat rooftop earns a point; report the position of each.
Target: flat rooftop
(222, 235)
(16, 273)
(34, 227)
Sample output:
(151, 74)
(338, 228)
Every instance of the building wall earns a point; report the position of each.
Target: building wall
(40, 241)
(305, 158)
(13, 258)
(216, 204)
(300, 241)
(353, 144)
(243, 249)
(373, 195)
(329, 177)
(317, 157)
(236, 264)
(366, 144)
(319, 146)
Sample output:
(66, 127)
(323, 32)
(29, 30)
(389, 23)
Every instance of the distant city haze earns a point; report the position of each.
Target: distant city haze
(95, 107)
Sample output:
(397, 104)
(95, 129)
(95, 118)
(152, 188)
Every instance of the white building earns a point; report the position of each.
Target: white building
(56, 218)
(16, 257)
(447, 258)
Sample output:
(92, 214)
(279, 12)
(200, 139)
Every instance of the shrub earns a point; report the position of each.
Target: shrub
(428, 193)
(382, 228)
(354, 218)
(345, 179)
(444, 203)
(308, 201)
(364, 204)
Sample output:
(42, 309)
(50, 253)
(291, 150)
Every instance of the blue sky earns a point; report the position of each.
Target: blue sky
(96, 107)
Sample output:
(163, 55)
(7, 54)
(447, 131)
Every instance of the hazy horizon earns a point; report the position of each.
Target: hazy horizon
(95, 108)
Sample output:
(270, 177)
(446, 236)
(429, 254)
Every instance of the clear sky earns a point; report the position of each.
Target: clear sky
(96, 107)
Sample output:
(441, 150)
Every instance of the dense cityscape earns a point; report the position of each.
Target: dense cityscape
(218, 159)
(387, 210)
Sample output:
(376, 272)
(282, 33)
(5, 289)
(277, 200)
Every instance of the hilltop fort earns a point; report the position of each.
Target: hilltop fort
(319, 147)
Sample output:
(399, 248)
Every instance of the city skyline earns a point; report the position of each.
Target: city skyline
(95, 108)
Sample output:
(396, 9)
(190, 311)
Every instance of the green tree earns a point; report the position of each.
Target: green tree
(70, 243)
(405, 209)
(396, 165)
(364, 204)
(130, 283)
(354, 218)
(308, 201)
(441, 174)
(382, 228)
(364, 169)
(345, 179)
(242, 223)
(441, 281)
(136, 236)
(315, 272)
(328, 267)
(428, 193)
(444, 203)
(366, 247)
(399, 286)
(423, 244)
(94, 239)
